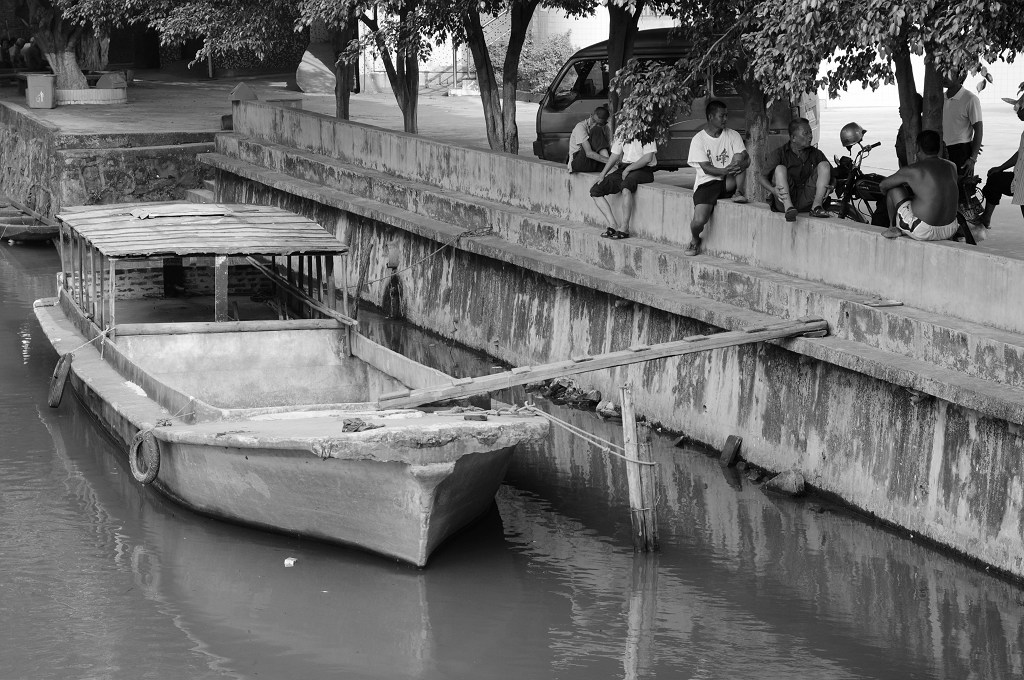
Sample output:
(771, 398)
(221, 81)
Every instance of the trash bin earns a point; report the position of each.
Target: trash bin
(40, 91)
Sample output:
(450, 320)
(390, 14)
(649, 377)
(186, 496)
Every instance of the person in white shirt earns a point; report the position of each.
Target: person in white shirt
(721, 160)
(631, 164)
(588, 143)
(962, 128)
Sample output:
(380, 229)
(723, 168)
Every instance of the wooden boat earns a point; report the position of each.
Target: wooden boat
(18, 223)
(267, 414)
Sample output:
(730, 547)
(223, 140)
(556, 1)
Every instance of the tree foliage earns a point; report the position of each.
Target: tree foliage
(539, 62)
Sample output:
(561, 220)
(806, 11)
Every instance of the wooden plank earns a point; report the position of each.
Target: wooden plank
(498, 381)
(197, 327)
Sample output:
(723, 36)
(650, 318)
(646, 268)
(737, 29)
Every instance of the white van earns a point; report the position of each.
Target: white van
(582, 85)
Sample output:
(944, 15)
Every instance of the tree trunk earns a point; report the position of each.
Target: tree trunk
(909, 113)
(931, 118)
(621, 32)
(58, 41)
(490, 96)
(92, 50)
(756, 115)
(344, 71)
(403, 72)
(410, 112)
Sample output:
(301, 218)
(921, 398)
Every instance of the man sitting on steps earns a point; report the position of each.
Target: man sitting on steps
(922, 197)
(589, 143)
(797, 174)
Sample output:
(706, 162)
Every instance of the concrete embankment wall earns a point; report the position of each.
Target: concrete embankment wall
(910, 412)
(46, 169)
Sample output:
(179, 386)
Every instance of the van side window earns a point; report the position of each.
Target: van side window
(587, 79)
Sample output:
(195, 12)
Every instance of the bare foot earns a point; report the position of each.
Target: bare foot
(739, 198)
(892, 232)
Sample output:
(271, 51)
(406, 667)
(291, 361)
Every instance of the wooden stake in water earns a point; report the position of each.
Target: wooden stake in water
(639, 477)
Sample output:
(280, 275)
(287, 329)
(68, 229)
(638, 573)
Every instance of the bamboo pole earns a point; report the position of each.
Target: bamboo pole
(641, 499)
(113, 295)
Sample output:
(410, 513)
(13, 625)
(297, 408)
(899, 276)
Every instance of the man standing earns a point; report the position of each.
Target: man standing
(630, 165)
(797, 174)
(721, 161)
(1001, 183)
(922, 196)
(962, 129)
(588, 143)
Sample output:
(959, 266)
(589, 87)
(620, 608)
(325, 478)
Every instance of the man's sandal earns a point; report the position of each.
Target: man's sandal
(692, 249)
(791, 214)
(609, 233)
(619, 235)
(818, 211)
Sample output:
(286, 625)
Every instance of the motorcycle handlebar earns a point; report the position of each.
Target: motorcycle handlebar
(872, 146)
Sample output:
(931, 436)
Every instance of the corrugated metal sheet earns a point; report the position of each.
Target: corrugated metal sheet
(179, 228)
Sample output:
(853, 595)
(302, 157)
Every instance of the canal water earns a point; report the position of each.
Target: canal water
(100, 578)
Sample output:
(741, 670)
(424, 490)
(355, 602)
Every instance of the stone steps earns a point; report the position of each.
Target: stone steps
(946, 342)
(199, 196)
(876, 354)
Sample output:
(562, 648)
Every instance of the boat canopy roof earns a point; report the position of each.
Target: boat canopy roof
(179, 228)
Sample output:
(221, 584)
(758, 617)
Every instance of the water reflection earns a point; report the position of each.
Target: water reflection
(102, 578)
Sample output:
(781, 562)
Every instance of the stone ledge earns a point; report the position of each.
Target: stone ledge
(976, 350)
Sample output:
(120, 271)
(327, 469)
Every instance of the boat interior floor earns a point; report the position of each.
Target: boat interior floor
(188, 309)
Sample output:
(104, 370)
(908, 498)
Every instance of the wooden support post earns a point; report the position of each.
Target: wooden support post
(332, 301)
(641, 500)
(113, 295)
(101, 304)
(92, 283)
(320, 278)
(81, 272)
(220, 289)
(63, 258)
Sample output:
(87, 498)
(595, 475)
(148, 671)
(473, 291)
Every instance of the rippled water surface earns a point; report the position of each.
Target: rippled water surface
(100, 578)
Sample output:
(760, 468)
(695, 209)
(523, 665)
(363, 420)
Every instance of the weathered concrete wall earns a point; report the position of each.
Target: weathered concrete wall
(947, 472)
(906, 412)
(45, 169)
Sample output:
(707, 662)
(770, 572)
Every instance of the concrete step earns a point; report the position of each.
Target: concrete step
(199, 196)
(210, 184)
(916, 374)
(864, 318)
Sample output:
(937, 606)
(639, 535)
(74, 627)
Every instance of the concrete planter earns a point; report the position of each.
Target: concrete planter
(116, 95)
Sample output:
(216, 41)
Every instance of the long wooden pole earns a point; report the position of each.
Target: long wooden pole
(466, 387)
(641, 499)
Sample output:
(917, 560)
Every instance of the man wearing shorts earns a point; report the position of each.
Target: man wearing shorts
(922, 197)
(721, 161)
(588, 143)
(630, 165)
(797, 174)
(1001, 183)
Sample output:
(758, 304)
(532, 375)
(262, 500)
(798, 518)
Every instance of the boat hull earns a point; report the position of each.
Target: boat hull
(399, 489)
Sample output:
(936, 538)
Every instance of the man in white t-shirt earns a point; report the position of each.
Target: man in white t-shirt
(588, 143)
(962, 128)
(631, 164)
(721, 160)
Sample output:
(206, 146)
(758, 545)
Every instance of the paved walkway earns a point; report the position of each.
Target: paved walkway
(160, 102)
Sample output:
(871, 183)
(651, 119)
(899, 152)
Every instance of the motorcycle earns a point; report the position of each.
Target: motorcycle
(856, 190)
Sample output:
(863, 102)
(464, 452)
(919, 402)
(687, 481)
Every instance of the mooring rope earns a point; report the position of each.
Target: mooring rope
(92, 340)
(481, 231)
(593, 439)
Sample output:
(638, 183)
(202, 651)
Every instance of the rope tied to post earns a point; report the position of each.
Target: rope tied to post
(600, 443)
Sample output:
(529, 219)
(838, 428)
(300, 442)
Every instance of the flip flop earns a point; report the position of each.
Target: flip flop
(609, 233)
(619, 235)
(791, 215)
(819, 211)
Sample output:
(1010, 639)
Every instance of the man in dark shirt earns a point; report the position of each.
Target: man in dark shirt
(797, 174)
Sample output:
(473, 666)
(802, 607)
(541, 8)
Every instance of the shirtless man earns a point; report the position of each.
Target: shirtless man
(922, 197)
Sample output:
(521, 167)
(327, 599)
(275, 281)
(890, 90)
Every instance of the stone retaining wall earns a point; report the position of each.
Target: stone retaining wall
(45, 169)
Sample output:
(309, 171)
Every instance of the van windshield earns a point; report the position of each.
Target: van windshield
(586, 79)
